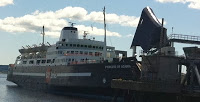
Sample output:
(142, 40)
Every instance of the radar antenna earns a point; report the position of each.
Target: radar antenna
(85, 33)
(72, 24)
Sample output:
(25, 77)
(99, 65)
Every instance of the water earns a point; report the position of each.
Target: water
(9, 92)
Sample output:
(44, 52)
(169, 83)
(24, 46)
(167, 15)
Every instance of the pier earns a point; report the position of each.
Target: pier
(161, 77)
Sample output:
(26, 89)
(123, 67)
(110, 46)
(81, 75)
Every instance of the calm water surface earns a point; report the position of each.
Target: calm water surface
(9, 92)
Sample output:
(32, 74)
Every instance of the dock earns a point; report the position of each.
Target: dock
(162, 78)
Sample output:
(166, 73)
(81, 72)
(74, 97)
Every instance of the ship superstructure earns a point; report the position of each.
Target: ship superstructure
(67, 51)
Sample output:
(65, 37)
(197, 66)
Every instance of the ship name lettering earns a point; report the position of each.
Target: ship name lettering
(117, 66)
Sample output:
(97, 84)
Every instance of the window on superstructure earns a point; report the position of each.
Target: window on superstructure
(89, 46)
(60, 52)
(38, 62)
(76, 52)
(96, 47)
(81, 45)
(63, 39)
(74, 45)
(85, 46)
(24, 62)
(53, 61)
(68, 52)
(66, 44)
(69, 59)
(81, 52)
(31, 62)
(93, 47)
(96, 53)
(72, 52)
(70, 45)
(82, 60)
(85, 53)
(72, 60)
(48, 61)
(43, 61)
(78, 45)
(90, 53)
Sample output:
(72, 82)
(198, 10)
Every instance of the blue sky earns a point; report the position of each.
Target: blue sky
(21, 21)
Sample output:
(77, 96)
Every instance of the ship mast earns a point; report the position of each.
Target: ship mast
(104, 33)
(42, 35)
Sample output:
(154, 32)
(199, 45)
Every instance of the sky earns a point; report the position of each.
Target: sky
(21, 21)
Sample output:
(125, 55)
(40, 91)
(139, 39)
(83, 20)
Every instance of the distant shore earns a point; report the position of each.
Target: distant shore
(4, 72)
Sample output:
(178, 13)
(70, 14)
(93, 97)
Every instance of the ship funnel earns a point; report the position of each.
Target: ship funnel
(148, 31)
(68, 33)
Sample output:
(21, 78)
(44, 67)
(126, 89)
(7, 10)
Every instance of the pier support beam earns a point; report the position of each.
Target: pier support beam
(134, 51)
(197, 74)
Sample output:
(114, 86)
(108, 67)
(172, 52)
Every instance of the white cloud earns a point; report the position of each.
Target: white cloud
(130, 35)
(195, 4)
(5, 2)
(54, 21)
(96, 31)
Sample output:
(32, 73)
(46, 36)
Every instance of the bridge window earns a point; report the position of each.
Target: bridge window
(24, 62)
(31, 62)
(38, 62)
(48, 61)
(43, 61)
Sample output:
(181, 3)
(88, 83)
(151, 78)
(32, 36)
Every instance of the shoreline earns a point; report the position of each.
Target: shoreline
(3, 72)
